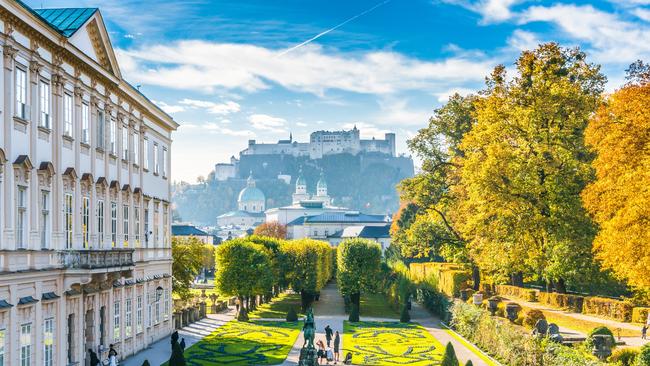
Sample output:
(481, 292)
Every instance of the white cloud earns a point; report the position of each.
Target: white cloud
(207, 66)
(169, 108)
(611, 39)
(522, 40)
(642, 13)
(267, 123)
(301, 124)
(492, 11)
(399, 113)
(212, 107)
(443, 97)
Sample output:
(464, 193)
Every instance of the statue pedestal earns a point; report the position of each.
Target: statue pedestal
(308, 357)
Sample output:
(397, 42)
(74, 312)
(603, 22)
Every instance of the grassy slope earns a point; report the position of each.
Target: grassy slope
(278, 307)
(376, 306)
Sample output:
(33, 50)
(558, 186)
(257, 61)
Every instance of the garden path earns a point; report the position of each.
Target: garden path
(159, 352)
(609, 323)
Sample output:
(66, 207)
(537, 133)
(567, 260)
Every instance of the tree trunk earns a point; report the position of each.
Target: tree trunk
(560, 286)
(517, 279)
(476, 277)
(355, 298)
(549, 286)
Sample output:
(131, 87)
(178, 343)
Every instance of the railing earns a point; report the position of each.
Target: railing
(91, 259)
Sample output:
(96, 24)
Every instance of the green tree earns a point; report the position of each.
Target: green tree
(449, 358)
(280, 261)
(244, 269)
(524, 164)
(310, 267)
(358, 267)
(187, 262)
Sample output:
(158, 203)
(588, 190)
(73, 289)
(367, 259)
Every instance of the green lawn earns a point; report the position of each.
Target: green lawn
(390, 343)
(376, 306)
(278, 307)
(245, 343)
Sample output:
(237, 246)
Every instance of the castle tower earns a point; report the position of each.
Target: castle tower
(301, 189)
(321, 190)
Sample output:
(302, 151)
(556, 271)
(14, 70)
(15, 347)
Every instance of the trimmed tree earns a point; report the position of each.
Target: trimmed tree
(177, 358)
(310, 267)
(405, 317)
(469, 363)
(188, 260)
(358, 267)
(146, 363)
(449, 358)
(244, 270)
(291, 315)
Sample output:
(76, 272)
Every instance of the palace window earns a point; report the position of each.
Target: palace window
(164, 162)
(125, 224)
(85, 218)
(100, 222)
(157, 307)
(146, 153)
(85, 123)
(156, 167)
(45, 104)
(67, 115)
(26, 344)
(125, 142)
(45, 218)
(113, 223)
(136, 148)
(113, 137)
(22, 110)
(146, 225)
(48, 342)
(136, 219)
(101, 129)
(68, 220)
(156, 224)
(21, 217)
(166, 305)
(127, 318)
(138, 314)
(116, 321)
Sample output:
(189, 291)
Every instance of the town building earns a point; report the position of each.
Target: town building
(85, 256)
(185, 231)
(251, 204)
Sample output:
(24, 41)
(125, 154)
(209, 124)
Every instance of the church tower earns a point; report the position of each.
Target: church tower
(321, 190)
(301, 189)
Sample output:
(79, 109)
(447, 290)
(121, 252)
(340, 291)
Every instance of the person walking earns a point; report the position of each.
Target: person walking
(321, 351)
(112, 356)
(94, 360)
(337, 344)
(644, 331)
(328, 335)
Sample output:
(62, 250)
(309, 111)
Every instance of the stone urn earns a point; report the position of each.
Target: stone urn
(477, 298)
(465, 294)
(493, 304)
(602, 346)
(512, 311)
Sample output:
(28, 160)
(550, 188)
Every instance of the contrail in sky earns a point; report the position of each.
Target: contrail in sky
(332, 29)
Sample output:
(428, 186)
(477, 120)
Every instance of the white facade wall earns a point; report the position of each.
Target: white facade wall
(44, 242)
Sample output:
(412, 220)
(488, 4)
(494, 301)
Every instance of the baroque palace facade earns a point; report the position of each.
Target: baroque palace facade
(85, 248)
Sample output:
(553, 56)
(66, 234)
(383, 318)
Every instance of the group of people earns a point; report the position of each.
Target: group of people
(112, 357)
(327, 353)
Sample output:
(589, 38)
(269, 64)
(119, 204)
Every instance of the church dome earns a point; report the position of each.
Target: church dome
(251, 194)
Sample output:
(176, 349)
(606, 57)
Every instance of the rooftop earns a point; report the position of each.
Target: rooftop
(66, 21)
(241, 213)
(339, 217)
(187, 230)
(369, 232)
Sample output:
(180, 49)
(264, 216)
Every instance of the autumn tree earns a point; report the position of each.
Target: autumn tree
(187, 262)
(619, 198)
(426, 226)
(271, 229)
(524, 164)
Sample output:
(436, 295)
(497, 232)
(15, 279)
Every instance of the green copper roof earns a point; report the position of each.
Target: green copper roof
(66, 20)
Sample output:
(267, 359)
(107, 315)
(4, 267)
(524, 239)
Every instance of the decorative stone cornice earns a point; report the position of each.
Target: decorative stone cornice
(9, 53)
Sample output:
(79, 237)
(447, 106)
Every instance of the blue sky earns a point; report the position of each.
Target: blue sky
(218, 67)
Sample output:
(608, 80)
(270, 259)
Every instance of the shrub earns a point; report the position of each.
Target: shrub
(433, 300)
(623, 356)
(405, 317)
(563, 301)
(291, 315)
(531, 317)
(640, 314)
(146, 363)
(611, 308)
(599, 331)
(469, 363)
(449, 278)
(354, 313)
(525, 294)
(449, 358)
(643, 358)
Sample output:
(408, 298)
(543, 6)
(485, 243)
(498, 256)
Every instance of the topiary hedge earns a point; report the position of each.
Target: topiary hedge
(623, 356)
(572, 303)
(525, 294)
(449, 278)
(640, 314)
(610, 308)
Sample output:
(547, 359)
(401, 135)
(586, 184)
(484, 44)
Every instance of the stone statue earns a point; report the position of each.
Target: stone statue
(309, 329)
(554, 333)
(308, 353)
(541, 328)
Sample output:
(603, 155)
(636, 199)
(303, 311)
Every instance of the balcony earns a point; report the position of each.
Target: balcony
(96, 259)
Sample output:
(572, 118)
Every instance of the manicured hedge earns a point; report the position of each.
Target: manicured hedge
(640, 314)
(564, 301)
(610, 308)
(449, 278)
(525, 294)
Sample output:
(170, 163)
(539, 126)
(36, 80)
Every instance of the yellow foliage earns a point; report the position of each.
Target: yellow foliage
(619, 199)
